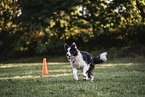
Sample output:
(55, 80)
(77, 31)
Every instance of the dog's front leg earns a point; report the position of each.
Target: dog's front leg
(75, 73)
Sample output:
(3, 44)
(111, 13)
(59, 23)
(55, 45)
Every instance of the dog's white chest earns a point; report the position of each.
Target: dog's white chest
(78, 61)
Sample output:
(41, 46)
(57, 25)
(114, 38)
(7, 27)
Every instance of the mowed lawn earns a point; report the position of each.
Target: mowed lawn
(111, 80)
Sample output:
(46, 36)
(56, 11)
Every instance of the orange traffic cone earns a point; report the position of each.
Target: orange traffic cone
(44, 68)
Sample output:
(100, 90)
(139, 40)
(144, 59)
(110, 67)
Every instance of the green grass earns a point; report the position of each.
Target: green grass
(111, 80)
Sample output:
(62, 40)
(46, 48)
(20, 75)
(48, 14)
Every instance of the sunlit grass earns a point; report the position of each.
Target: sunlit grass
(111, 79)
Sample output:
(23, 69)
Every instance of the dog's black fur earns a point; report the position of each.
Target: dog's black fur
(83, 59)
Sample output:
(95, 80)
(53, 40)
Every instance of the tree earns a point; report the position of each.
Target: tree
(141, 7)
(8, 30)
(39, 13)
(101, 14)
(39, 25)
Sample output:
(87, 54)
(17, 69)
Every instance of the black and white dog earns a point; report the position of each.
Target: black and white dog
(83, 60)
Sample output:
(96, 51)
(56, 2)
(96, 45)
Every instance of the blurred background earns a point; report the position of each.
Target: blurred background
(30, 28)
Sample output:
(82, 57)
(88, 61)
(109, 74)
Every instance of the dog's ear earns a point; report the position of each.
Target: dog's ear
(66, 47)
(74, 45)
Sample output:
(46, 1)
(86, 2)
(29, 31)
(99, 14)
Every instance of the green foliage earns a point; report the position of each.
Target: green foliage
(41, 26)
(100, 14)
(8, 30)
(38, 13)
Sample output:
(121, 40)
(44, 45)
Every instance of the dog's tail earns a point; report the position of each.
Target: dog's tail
(101, 58)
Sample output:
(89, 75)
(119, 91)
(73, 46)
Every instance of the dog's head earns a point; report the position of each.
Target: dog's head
(71, 51)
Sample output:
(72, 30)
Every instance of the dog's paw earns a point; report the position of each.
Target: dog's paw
(92, 78)
(86, 78)
(84, 74)
(76, 78)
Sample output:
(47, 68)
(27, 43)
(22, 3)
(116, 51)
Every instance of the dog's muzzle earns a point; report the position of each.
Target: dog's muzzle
(67, 56)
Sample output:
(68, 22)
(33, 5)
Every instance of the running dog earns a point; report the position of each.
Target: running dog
(83, 60)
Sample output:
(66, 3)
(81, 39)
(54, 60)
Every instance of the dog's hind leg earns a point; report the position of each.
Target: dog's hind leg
(90, 75)
(85, 72)
(85, 69)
